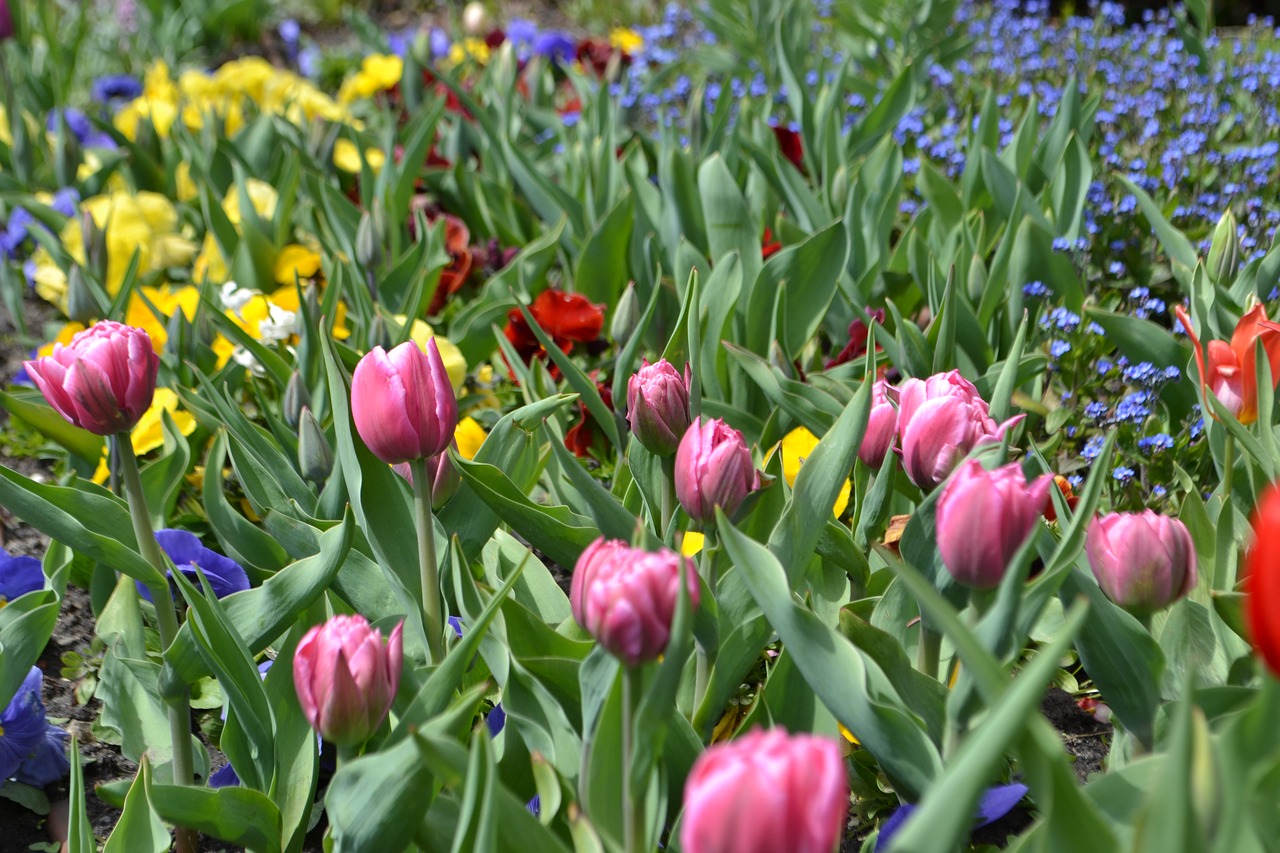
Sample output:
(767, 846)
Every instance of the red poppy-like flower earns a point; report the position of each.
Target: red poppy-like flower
(494, 38)
(568, 318)
(859, 334)
(1064, 486)
(1262, 583)
(768, 245)
(791, 145)
(454, 276)
(584, 434)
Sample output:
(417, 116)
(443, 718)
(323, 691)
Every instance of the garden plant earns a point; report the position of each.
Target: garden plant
(742, 427)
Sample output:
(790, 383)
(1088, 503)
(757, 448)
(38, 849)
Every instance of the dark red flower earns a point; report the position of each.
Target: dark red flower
(494, 38)
(859, 334)
(791, 145)
(1262, 582)
(454, 276)
(451, 102)
(585, 434)
(768, 245)
(568, 318)
(595, 54)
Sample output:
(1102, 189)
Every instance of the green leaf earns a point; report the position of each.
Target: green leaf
(240, 816)
(476, 830)
(1182, 255)
(29, 406)
(601, 271)
(23, 637)
(844, 678)
(79, 830)
(139, 829)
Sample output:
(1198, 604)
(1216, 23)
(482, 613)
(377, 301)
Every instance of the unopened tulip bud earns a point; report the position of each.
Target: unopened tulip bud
(315, 456)
(368, 242)
(658, 406)
(1143, 561)
(626, 316)
(403, 402)
(882, 424)
(983, 518)
(475, 19)
(713, 469)
(1224, 251)
(626, 597)
(296, 398)
(766, 792)
(103, 381)
(346, 678)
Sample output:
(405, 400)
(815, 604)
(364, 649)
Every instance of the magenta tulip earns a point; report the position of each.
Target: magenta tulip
(984, 517)
(103, 381)
(403, 402)
(1143, 561)
(766, 792)
(941, 419)
(346, 678)
(713, 469)
(6, 21)
(658, 406)
(626, 597)
(882, 425)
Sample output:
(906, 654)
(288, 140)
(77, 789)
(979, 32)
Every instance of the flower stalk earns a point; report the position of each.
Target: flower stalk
(428, 571)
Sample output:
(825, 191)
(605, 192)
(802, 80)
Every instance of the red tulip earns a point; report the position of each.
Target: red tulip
(1262, 581)
(103, 381)
(1230, 371)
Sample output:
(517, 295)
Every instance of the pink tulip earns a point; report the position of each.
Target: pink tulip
(766, 792)
(941, 419)
(1143, 561)
(658, 406)
(403, 402)
(626, 597)
(346, 678)
(6, 21)
(713, 468)
(882, 426)
(103, 381)
(983, 519)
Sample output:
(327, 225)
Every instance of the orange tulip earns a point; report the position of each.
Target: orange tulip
(1230, 373)
(1262, 581)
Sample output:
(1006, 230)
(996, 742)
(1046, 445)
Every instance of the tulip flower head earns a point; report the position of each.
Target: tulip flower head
(626, 597)
(346, 678)
(941, 419)
(1262, 583)
(403, 403)
(1230, 371)
(882, 425)
(713, 469)
(658, 406)
(984, 517)
(765, 792)
(103, 381)
(1143, 561)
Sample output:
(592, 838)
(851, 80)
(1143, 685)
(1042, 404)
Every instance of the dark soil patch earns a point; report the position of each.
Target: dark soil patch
(1085, 739)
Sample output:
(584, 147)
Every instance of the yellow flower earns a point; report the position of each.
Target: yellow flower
(346, 156)
(626, 40)
(262, 196)
(378, 72)
(64, 336)
(210, 264)
(167, 300)
(185, 187)
(692, 543)
(454, 364)
(469, 435)
(295, 259)
(848, 735)
(287, 298)
(5, 136)
(796, 447)
(469, 48)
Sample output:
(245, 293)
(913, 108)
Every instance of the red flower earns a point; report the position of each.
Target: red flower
(791, 144)
(595, 54)
(454, 276)
(1262, 582)
(859, 334)
(1064, 486)
(568, 318)
(768, 245)
(584, 434)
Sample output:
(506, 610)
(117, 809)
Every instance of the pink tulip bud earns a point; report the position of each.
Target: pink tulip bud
(346, 678)
(1143, 561)
(6, 21)
(403, 402)
(765, 792)
(626, 597)
(941, 419)
(983, 519)
(882, 426)
(658, 406)
(713, 468)
(103, 381)
(445, 479)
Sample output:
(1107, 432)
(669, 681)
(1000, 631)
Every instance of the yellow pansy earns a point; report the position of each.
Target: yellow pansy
(5, 136)
(796, 447)
(626, 40)
(469, 435)
(296, 260)
(210, 264)
(149, 432)
(469, 48)
(346, 156)
(167, 300)
(185, 187)
(848, 735)
(454, 364)
(378, 72)
(261, 194)
(287, 298)
(692, 543)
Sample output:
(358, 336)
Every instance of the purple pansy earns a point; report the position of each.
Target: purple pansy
(18, 576)
(995, 804)
(225, 575)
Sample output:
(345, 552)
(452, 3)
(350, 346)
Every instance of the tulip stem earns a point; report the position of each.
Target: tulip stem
(632, 825)
(1224, 575)
(432, 620)
(929, 652)
(166, 620)
(704, 657)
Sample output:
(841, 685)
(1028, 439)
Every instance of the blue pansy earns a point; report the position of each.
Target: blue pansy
(22, 725)
(554, 45)
(225, 575)
(48, 762)
(995, 804)
(226, 776)
(16, 230)
(115, 87)
(80, 126)
(18, 576)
